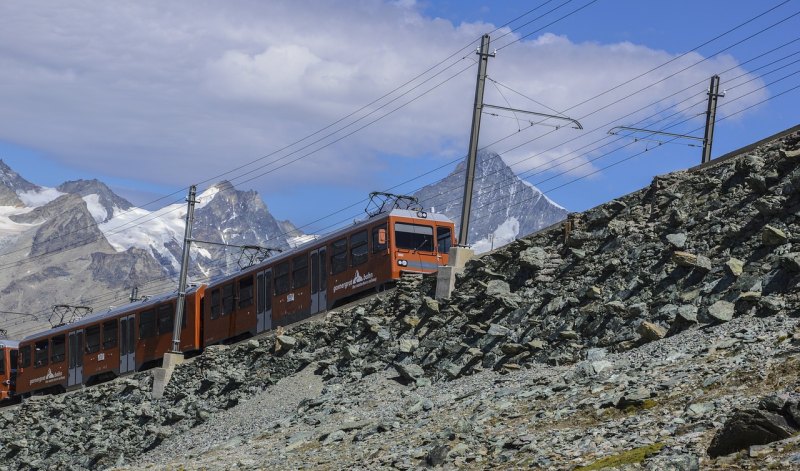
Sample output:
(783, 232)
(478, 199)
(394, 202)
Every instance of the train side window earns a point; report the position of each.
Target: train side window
(282, 278)
(299, 271)
(228, 299)
(359, 250)
(215, 305)
(339, 256)
(25, 356)
(444, 239)
(110, 334)
(246, 292)
(92, 338)
(165, 320)
(413, 236)
(380, 238)
(40, 353)
(147, 324)
(58, 349)
(2, 361)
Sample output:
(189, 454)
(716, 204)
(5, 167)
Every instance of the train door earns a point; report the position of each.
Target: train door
(264, 288)
(75, 358)
(127, 344)
(319, 277)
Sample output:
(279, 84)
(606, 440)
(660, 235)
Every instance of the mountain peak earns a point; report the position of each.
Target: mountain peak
(503, 205)
(101, 200)
(13, 181)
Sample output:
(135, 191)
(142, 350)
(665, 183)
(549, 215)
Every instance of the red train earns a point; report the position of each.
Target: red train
(281, 290)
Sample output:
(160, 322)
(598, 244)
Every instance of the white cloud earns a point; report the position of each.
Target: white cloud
(178, 92)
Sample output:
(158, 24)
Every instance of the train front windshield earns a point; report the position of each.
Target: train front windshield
(413, 236)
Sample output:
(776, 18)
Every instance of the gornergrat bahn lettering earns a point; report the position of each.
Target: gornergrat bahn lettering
(279, 291)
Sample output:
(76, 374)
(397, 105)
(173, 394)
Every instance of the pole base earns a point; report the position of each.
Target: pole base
(161, 376)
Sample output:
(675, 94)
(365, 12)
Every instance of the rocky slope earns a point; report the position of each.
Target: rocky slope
(503, 205)
(660, 333)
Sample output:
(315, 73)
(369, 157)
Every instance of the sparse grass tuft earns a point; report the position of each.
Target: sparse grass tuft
(637, 455)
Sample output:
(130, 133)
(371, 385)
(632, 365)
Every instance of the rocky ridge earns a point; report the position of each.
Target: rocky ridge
(660, 333)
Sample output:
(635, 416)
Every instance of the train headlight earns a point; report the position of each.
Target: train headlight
(402, 263)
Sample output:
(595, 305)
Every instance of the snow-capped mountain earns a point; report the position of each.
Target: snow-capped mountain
(504, 207)
(79, 242)
(223, 215)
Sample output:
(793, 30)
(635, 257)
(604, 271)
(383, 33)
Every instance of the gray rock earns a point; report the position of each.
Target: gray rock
(791, 262)
(437, 456)
(497, 288)
(684, 259)
(734, 266)
(721, 310)
(703, 263)
(649, 331)
(497, 330)
(594, 292)
(790, 154)
(688, 313)
(635, 398)
(616, 307)
(285, 343)
(533, 257)
(677, 240)
(749, 427)
(699, 409)
(773, 236)
(410, 371)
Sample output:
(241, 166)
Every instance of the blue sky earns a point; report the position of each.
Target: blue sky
(150, 97)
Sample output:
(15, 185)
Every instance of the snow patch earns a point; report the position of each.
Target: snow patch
(144, 229)
(205, 197)
(9, 227)
(96, 209)
(537, 190)
(505, 233)
(39, 198)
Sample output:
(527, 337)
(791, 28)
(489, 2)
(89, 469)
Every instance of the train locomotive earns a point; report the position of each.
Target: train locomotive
(367, 256)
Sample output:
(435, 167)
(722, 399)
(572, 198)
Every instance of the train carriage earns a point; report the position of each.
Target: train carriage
(99, 347)
(320, 274)
(8, 369)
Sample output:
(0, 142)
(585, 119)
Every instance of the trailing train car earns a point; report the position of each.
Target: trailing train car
(97, 348)
(312, 278)
(8, 369)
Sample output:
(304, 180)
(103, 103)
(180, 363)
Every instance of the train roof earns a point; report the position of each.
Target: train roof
(437, 217)
(9, 343)
(110, 314)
